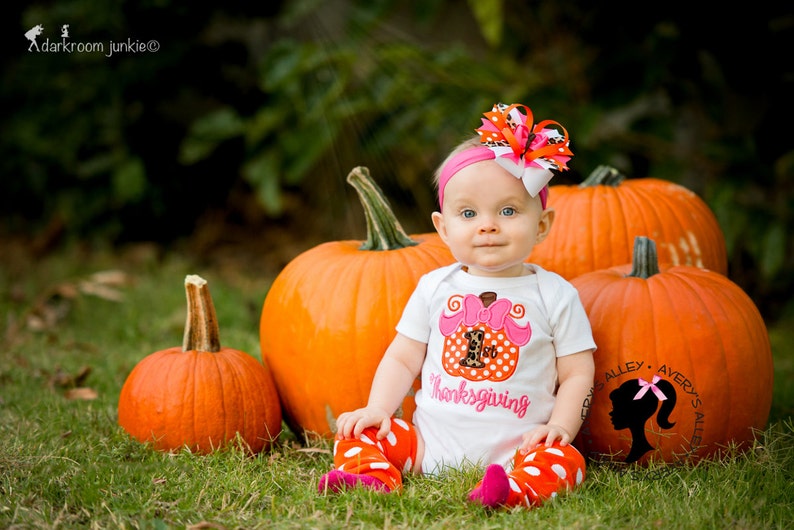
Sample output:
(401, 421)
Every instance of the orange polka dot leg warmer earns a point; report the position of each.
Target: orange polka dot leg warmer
(536, 477)
(372, 463)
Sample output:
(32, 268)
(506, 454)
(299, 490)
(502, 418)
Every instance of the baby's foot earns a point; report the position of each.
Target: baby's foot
(338, 480)
(493, 489)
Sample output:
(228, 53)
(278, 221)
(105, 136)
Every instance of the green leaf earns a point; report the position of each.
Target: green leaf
(207, 132)
(129, 180)
(262, 172)
(773, 250)
(489, 15)
(267, 120)
(303, 154)
(282, 67)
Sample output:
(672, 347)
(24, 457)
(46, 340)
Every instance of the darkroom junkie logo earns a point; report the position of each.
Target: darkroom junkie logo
(39, 42)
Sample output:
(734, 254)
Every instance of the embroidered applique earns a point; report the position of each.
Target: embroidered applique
(482, 336)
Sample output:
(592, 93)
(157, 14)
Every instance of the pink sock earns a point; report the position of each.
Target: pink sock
(494, 488)
(337, 480)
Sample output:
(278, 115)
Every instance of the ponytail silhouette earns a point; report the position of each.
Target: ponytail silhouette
(634, 403)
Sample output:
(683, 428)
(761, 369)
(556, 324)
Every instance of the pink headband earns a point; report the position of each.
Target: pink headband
(526, 153)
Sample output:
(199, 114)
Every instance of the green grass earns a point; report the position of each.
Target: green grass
(65, 463)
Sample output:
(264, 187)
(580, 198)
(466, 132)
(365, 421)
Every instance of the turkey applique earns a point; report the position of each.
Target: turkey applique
(482, 336)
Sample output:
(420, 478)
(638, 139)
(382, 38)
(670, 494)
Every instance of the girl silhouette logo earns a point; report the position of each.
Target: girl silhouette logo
(634, 403)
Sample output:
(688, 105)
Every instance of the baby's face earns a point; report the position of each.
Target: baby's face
(489, 221)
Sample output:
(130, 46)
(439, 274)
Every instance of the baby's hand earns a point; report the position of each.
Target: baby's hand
(544, 434)
(352, 424)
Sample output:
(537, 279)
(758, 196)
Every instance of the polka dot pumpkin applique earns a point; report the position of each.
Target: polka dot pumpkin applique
(482, 337)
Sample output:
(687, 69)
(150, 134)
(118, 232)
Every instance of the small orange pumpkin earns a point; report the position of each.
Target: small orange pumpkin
(200, 396)
(683, 365)
(596, 223)
(331, 313)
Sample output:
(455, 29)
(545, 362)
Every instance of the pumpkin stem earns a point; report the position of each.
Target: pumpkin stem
(383, 229)
(604, 176)
(645, 262)
(201, 328)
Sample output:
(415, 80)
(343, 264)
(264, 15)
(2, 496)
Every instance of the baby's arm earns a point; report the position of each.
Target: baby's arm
(396, 372)
(575, 373)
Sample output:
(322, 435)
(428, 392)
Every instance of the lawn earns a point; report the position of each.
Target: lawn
(76, 323)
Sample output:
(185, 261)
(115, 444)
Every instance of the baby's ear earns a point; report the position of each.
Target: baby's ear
(438, 223)
(544, 225)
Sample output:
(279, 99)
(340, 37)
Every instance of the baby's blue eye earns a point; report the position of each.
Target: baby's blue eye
(508, 211)
(468, 214)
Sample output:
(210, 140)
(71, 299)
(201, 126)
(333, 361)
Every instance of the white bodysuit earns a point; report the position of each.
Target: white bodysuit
(489, 374)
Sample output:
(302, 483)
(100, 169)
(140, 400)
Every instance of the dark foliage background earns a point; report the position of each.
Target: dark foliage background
(242, 126)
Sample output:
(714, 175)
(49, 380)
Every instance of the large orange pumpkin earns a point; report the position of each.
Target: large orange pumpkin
(596, 223)
(200, 396)
(683, 365)
(330, 314)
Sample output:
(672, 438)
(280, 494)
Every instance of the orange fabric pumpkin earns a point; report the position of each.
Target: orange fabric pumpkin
(683, 366)
(330, 314)
(596, 223)
(200, 396)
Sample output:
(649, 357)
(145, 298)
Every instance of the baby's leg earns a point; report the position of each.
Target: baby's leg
(372, 463)
(537, 476)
